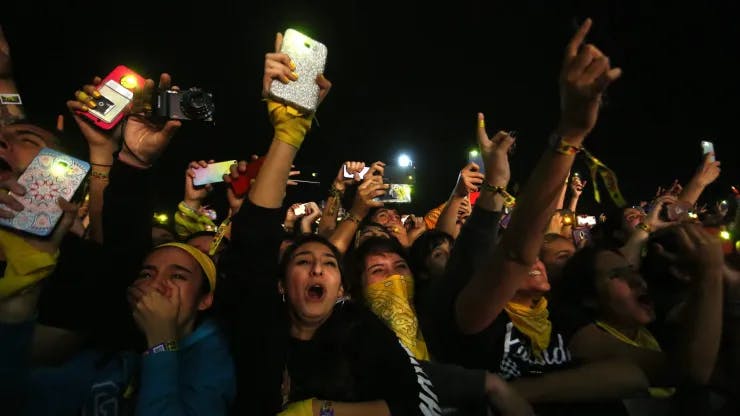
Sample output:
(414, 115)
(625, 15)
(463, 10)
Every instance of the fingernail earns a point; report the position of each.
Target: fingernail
(91, 104)
(295, 75)
(292, 65)
(84, 108)
(81, 96)
(96, 94)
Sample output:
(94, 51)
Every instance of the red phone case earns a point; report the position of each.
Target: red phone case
(241, 185)
(117, 90)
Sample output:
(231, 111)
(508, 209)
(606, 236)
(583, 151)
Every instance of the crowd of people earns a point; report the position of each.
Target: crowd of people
(488, 304)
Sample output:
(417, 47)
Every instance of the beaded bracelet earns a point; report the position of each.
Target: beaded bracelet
(96, 174)
(352, 217)
(565, 148)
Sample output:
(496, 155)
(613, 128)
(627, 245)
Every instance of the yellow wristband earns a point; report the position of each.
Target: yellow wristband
(644, 227)
(290, 126)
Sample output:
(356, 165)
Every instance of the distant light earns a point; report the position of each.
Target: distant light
(314, 174)
(725, 235)
(474, 153)
(411, 178)
(404, 160)
(129, 81)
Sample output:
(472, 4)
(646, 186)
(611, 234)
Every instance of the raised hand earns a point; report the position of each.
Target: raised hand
(144, 140)
(495, 152)
(469, 180)
(279, 66)
(585, 75)
(102, 143)
(415, 227)
(577, 185)
(653, 217)
(194, 196)
(354, 168)
(709, 170)
(9, 184)
(370, 188)
(6, 67)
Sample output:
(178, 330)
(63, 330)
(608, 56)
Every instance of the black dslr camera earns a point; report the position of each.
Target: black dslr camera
(191, 104)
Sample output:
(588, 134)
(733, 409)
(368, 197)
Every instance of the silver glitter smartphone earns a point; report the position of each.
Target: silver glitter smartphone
(309, 57)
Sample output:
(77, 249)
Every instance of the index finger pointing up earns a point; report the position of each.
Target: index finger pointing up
(278, 41)
(575, 42)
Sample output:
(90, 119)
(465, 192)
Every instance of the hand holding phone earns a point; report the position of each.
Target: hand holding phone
(50, 175)
(362, 173)
(309, 57)
(240, 186)
(213, 173)
(115, 93)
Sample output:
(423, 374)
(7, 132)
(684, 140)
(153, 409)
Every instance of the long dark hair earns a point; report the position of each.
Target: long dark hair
(305, 239)
(577, 284)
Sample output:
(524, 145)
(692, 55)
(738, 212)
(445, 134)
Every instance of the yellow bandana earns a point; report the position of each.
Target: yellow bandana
(644, 340)
(391, 299)
(532, 322)
(290, 126)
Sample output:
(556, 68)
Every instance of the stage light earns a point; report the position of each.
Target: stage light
(404, 160)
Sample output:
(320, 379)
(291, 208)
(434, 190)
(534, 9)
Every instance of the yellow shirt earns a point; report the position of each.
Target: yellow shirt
(25, 264)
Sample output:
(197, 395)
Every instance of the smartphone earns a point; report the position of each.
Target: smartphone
(116, 93)
(300, 210)
(707, 147)
(678, 211)
(241, 185)
(581, 234)
(309, 56)
(476, 157)
(586, 220)
(212, 173)
(50, 174)
(362, 172)
(399, 193)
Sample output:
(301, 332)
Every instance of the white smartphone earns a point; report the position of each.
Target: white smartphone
(300, 210)
(707, 147)
(309, 56)
(362, 172)
(586, 220)
(212, 173)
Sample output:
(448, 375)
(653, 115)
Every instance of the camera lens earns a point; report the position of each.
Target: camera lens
(197, 104)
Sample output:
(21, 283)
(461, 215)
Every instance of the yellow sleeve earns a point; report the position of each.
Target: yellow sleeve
(25, 264)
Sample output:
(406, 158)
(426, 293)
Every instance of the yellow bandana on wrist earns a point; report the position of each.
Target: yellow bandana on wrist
(532, 322)
(644, 340)
(302, 408)
(610, 179)
(391, 299)
(290, 125)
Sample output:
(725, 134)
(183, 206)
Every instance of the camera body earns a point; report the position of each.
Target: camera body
(191, 104)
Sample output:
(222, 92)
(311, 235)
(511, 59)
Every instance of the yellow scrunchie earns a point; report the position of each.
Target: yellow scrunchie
(302, 408)
(205, 262)
(645, 340)
(532, 322)
(390, 299)
(290, 125)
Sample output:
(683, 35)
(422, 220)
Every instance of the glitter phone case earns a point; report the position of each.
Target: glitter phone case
(50, 175)
(309, 57)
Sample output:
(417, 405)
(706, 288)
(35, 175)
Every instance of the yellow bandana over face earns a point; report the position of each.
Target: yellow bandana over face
(391, 299)
(645, 340)
(532, 322)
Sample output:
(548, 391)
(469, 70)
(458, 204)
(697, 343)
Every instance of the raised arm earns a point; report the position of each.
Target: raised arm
(469, 180)
(8, 112)
(585, 74)
(328, 223)
(706, 174)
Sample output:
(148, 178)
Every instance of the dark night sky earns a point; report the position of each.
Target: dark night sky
(410, 79)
